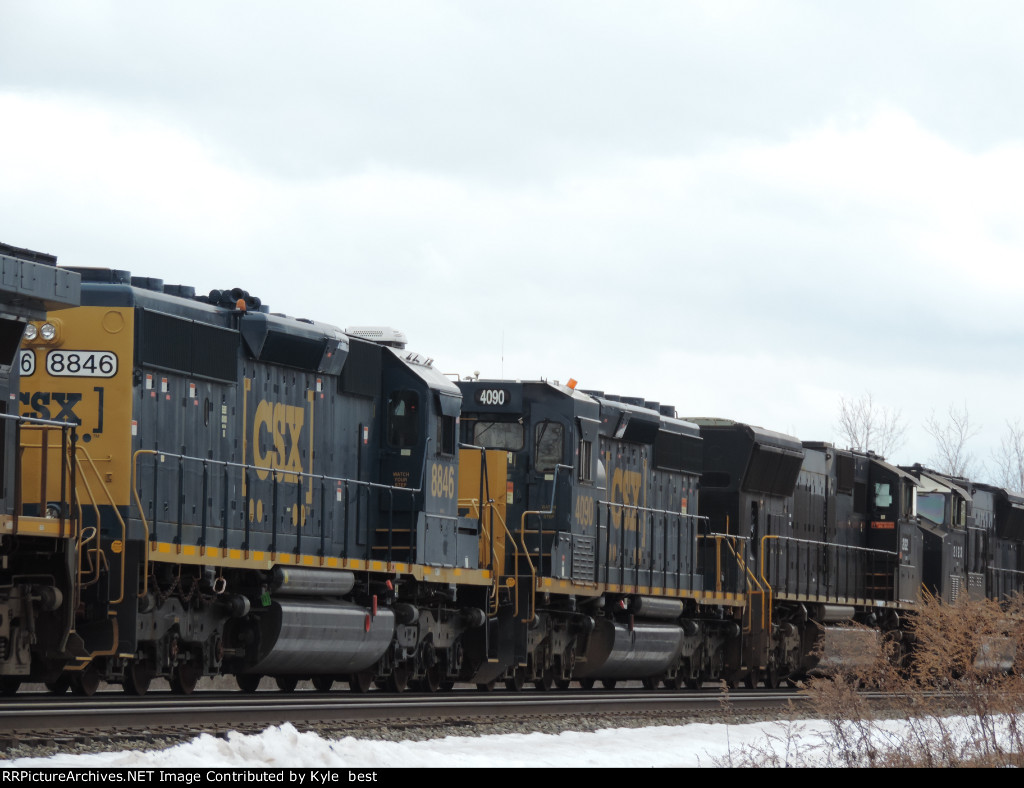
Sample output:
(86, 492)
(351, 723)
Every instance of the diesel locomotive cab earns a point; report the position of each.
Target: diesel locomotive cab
(419, 452)
(942, 513)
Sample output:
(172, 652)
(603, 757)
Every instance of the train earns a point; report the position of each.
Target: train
(195, 486)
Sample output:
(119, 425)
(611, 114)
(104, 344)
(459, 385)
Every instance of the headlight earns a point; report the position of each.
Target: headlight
(48, 331)
(31, 332)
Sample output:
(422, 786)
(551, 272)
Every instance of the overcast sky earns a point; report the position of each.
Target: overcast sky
(743, 209)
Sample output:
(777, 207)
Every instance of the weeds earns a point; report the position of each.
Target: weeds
(949, 692)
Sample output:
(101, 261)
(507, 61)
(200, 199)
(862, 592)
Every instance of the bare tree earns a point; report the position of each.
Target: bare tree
(864, 425)
(951, 437)
(1009, 459)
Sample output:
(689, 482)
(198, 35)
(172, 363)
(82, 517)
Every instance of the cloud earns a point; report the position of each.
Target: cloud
(740, 209)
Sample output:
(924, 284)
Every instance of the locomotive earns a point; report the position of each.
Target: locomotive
(238, 492)
(39, 546)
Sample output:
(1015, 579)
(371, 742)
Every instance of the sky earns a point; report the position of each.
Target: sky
(748, 210)
(801, 743)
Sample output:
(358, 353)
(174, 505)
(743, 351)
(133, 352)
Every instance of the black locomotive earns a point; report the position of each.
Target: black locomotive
(238, 492)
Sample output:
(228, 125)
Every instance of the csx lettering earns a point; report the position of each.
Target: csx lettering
(626, 487)
(41, 405)
(278, 428)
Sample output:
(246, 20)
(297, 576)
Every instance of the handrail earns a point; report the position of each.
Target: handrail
(522, 535)
(495, 515)
(529, 560)
(43, 426)
(845, 553)
(1002, 569)
(244, 467)
(117, 513)
(728, 539)
(758, 587)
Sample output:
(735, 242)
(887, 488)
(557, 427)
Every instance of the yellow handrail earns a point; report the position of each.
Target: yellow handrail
(495, 514)
(113, 507)
(764, 578)
(529, 561)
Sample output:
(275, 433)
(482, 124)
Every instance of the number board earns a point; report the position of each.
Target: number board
(81, 363)
(492, 397)
(27, 362)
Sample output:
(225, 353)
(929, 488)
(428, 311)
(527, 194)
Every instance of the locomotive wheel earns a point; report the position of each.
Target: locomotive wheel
(398, 681)
(248, 682)
(545, 681)
(650, 683)
(673, 682)
(184, 679)
(608, 683)
(515, 684)
(286, 683)
(60, 685)
(361, 682)
(323, 683)
(771, 678)
(696, 683)
(137, 678)
(432, 679)
(9, 685)
(85, 682)
(487, 686)
(562, 684)
(750, 680)
(587, 684)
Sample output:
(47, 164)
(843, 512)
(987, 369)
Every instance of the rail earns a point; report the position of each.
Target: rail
(75, 491)
(1004, 582)
(235, 475)
(493, 512)
(828, 570)
(541, 514)
(686, 534)
(69, 438)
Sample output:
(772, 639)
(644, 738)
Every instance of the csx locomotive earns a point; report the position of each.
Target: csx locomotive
(196, 486)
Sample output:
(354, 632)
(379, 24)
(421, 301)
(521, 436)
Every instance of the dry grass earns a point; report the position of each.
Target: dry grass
(955, 700)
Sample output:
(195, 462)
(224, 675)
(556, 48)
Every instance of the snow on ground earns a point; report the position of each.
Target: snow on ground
(695, 745)
(284, 746)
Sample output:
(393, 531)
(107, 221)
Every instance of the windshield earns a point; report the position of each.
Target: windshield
(932, 507)
(506, 435)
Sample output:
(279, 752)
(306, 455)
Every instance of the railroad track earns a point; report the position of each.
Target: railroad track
(163, 717)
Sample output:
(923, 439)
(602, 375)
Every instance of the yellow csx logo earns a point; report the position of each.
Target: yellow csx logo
(276, 436)
(626, 489)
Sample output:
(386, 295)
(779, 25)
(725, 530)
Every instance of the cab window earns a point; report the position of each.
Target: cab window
(403, 419)
(446, 435)
(932, 507)
(548, 446)
(507, 435)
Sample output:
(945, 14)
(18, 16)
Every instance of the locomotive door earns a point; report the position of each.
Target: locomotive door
(402, 452)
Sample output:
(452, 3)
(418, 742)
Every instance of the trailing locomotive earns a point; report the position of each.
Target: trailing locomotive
(244, 493)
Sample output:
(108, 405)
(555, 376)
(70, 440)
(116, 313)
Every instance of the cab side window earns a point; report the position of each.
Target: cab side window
(446, 435)
(403, 419)
(548, 446)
